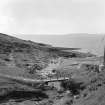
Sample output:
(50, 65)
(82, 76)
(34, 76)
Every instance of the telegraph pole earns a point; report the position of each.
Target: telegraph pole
(104, 57)
(103, 51)
(102, 64)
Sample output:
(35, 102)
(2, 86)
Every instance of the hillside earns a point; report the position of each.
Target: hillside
(21, 61)
(25, 55)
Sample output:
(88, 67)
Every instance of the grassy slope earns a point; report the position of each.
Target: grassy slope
(22, 54)
(15, 54)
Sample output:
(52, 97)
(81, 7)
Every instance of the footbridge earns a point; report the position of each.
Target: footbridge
(31, 82)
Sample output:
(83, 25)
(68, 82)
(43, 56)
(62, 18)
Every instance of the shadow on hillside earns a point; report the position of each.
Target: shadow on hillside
(73, 86)
(19, 96)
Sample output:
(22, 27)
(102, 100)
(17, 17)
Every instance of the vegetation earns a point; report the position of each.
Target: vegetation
(23, 58)
(73, 86)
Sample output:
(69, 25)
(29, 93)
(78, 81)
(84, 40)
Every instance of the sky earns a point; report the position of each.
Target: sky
(55, 21)
(52, 16)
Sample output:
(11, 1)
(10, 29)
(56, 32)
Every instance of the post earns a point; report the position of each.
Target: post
(64, 75)
(102, 65)
(104, 58)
